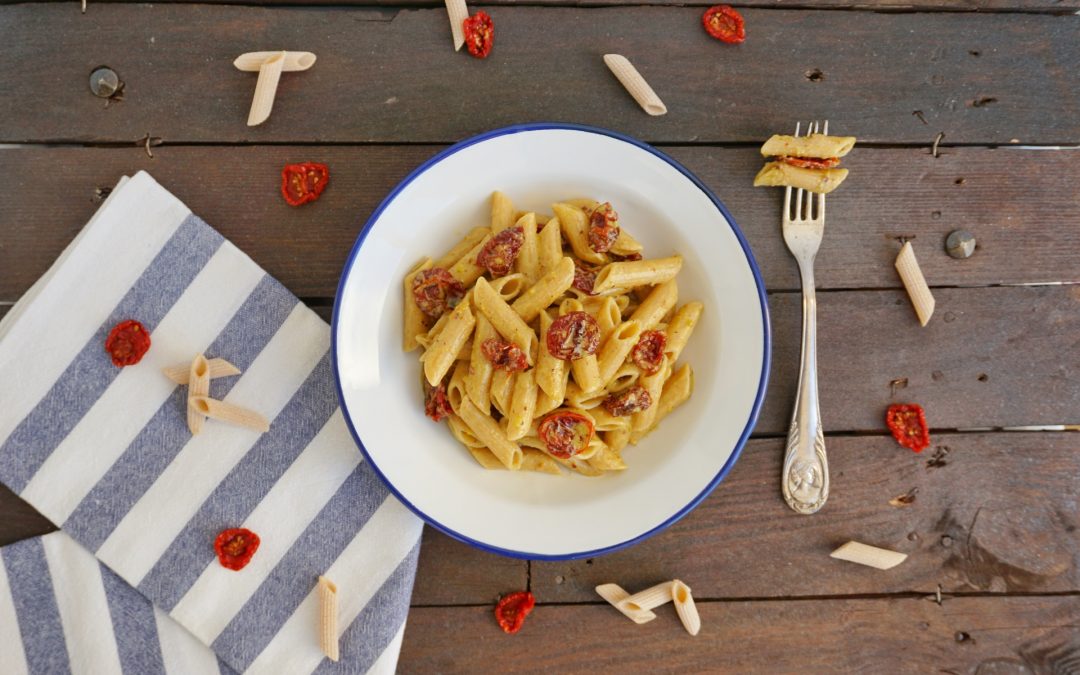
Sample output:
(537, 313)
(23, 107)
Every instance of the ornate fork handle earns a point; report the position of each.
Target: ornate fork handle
(806, 469)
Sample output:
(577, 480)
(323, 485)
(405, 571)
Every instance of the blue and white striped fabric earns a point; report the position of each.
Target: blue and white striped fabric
(105, 453)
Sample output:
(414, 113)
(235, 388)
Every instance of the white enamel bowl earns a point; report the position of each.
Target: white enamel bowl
(533, 515)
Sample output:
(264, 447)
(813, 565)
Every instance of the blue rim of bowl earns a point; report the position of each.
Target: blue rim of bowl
(766, 333)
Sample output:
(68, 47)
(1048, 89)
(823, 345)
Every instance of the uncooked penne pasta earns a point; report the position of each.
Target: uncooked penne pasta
(614, 594)
(915, 283)
(464, 434)
(198, 385)
(630, 78)
(658, 303)
(551, 373)
(218, 368)
(233, 414)
(442, 353)
(265, 89)
(522, 405)
(251, 62)
(478, 380)
(634, 273)
(488, 431)
(329, 618)
(654, 385)
(505, 320)
(871, 556)
(680, 327)
(502, 387)
(616, 348)
(685, 607)
(416, 322)
(821, 181)
(575, 227)
(457, 11)
(549, 246)
(545, 291)
(650, 598)
(528, 260)
(465, 269)
(502, 212)
(819, 146)
(467, 243)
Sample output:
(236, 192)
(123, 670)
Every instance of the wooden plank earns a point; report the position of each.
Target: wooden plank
(389, 75)
(453, 573)
(19, 519)
(987, 635)
(991, 513)
(1026, 229)
(1046, 6)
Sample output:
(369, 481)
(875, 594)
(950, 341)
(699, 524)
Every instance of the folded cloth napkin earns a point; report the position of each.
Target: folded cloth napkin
(105, 452)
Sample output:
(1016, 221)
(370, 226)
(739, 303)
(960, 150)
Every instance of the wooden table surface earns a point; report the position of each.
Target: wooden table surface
(993, 526)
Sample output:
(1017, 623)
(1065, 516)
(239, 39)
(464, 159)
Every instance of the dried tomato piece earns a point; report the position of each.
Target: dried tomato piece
(436, 291)
(504, 355)
(811, 162)
(907, 422)
(725, 24)
(572, 336)
(566, 433)
(512, 609)
(584, 278)
(235, 547)
(436, 404)
(479, 34)
(498, 255)
(634, 255)
(603, 228)
(635, 399)
(303, 183)
(648, 353)
(127, 342)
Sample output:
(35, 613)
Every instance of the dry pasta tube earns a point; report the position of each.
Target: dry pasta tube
(458, 12)
(633, 273)
(871, 556)
(265, 89)
(233, 414)
(251, 62)
(488, 431)
(685, 607)
(819, 146)
(329, 618)
(198, 385)
(630, 78)
(650, 598)
(502, 212)
(467, 243)
(416, 322)
(614, 594)
(218, 368)
(821, 181)
(915, 283)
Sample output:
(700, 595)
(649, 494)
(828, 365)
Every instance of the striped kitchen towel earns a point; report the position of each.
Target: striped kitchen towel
(105, 452)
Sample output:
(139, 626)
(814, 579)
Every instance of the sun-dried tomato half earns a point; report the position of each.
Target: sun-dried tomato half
(436, 291)
(127, 342)
(811, 162)
(479, 34)
(504, 355)
(498, 255)
(907, 422)
(566, 433)
(512, 609)
(303, 183)
(725, 24)
(235, 547)
(584, 278)
(635, 399)
(603, 228)
(648, 353)
(436, 404)
(572, 336)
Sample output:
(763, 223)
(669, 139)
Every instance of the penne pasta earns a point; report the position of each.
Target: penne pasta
(575, 227)
(654, 385)
(522, 405)
(502, 386)
(442, 353)
(813, 145)
(328, 618)
(635, 84)
(650, 598)
(505, 320)
(625, 377)
(656, 304)
(541, 462)
(510, 286)
(614, 594)
(871, 556)
(685, 607)
(625, 244)
(549, 247)
(604, 458)
(502, 212)
(478, 379)
(578, 398)
(485, 458)
(457, 11)
(586, 370)
(634, 273)
(545, 403)
(676, 391)
(233, 414)
(416, 322)
(198, 385)
(464, 434)
(545, 291)
(468, 242)
(605, 421)
(465, 269)
(821, 181)
(551, 373)
(491, 434)
(617, 439)
(616, 348)
(265, 89)
(528, 260)
(915, 283)
(679, 329)
(455, 389)
(251, 62)
(606, 312)
(218, 368)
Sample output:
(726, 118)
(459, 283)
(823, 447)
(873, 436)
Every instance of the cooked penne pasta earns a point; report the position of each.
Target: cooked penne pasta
(502, 212)
(328, 618)
(198, 385)
(625, 377)
(617, 439)
(218, 368)
(549, 246)
(464, 434)
(455, 389)
(605, 421)
(616, 348)
(485, 458)
(547, 290)
(539, 461)
(457, 11)
(442, 353)
(478, 380)
(685, 607)
(614, 594)
(425, 339)
(821, 181)
(606, 312)
(545, 403)
(233, 414)
(551, 373)
(468, 242)
(680, 327)
(634, 273)
(491, 434)
(676, 391)
(604, 458)
(575, 227)
(510, 286)
(625, 244)
(522, 405)
(578, 398)
(465, 269)
(650, 598)
(818, 146)
(416, 322)
(505, 320)
(251, 62)
(586, 370)
(915, 283)
(654, 385)
(265, 89)
(635, 84)
(871, 556)
(655, 305)
(502, 386)
(528, 261)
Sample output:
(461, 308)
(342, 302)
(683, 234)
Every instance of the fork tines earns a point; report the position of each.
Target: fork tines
(800, 214)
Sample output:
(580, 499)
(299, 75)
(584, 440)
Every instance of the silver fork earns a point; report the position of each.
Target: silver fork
(805, 477)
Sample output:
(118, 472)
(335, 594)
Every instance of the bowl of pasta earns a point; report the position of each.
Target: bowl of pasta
(551, 341)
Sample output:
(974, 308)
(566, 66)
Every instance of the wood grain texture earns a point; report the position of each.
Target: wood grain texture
(453, 573)
(1042, 6)
(992, 513)
(390, 75)
(984, 635)
(1025, 229)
